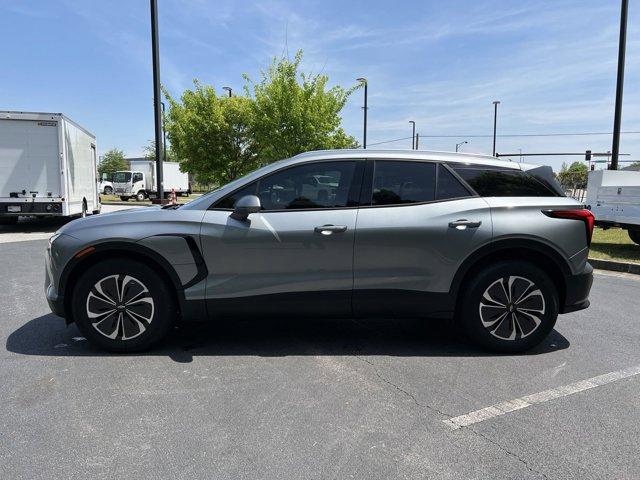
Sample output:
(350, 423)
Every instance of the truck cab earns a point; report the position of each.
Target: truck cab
(128, 183)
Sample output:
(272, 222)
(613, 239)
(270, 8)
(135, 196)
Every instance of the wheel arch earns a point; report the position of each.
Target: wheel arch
(532, 251)
(109, 250)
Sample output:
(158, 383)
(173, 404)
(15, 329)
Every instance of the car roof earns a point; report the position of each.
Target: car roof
(467, 158)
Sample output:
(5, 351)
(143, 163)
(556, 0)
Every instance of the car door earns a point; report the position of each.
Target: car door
(293, 257)
(416, 225)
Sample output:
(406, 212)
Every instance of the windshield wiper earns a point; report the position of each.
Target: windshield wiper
(171, 207)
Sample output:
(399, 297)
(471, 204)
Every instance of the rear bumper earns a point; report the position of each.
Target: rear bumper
(577, 290)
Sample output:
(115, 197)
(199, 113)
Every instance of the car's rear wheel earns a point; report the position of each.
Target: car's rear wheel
(124, 199)
(122, 305)
(108, 190)
(509, 307)
(634, 235)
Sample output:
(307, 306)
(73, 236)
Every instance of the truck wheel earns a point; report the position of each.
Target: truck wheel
(140, 197)
(108, 191)
(509, 307)
(8, 220)
(124, 199)
(634, 235)
(122, 305)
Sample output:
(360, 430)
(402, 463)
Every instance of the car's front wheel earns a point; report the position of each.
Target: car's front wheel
(509, 307)
(122, 305)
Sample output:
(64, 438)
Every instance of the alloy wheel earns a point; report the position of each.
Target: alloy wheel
(120, 307)
(512, 308)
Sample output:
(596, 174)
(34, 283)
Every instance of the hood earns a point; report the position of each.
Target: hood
(131, 215)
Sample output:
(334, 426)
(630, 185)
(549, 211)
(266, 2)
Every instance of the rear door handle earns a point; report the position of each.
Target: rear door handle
(329, 229)
(464, 224)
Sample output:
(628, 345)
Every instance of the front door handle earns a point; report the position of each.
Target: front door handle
(329, 229)
(463, 224)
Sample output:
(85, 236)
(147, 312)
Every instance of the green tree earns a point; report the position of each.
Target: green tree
(210, 134)
(295, 112)
(150, 152)
(574, 175)
(112, 161)
(634, 165)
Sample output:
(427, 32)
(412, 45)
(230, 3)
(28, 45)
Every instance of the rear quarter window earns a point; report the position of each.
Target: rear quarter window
(503, 182)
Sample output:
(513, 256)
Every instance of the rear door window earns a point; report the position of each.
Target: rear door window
(449, 186)
(401, 182)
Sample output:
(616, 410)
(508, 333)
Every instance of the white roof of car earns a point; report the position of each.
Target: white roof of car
(470, 158)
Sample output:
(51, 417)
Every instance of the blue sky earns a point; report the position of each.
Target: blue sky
(551, 64)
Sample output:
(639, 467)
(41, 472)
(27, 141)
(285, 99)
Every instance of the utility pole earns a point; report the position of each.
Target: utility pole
(617, 120)
(413, 135)
(495, 124)
(417, 139)
(156, 96)
(366, 84)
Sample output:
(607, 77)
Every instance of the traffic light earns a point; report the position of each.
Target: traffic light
(587, 155)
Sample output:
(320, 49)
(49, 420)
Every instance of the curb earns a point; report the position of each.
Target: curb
(615, 266)
(131, 204)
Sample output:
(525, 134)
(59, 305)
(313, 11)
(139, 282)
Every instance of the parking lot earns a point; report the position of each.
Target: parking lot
(314, 399)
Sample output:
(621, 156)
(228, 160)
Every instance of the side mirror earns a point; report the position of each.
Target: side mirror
(245, 206)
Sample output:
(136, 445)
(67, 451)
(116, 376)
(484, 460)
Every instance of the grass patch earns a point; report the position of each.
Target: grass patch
(614, 244)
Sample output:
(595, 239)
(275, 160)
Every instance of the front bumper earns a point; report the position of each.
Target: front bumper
(577, 290)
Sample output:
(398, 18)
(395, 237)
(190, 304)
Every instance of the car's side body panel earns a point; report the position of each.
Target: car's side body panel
(276, 253)
(411, 250)
(523, 218)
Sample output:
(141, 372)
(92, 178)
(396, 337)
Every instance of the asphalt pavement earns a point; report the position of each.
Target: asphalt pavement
(314, 399)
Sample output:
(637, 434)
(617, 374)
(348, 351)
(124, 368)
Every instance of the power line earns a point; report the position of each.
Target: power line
(579, 134)
(511, 135)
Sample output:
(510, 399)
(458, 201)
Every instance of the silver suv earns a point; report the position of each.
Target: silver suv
(354, 233)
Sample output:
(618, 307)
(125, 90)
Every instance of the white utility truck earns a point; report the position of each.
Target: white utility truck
(47, 167)
(140, 181)
(613, 196)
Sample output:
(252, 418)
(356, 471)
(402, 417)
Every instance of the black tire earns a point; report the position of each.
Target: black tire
(147, 320)
(108, 191)
(8, 220)
(124, 199)
(634, 235)
(140, 196)
(529, 316)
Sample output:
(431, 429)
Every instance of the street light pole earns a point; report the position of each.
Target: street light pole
(495, 124)
(366, 85)
(228, 89)
(458, 145)
(413, 135)
(155, 53)
(617, 120)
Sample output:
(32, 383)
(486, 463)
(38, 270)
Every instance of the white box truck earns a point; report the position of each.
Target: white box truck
(47, 167)
(613, 196)
(140, 181)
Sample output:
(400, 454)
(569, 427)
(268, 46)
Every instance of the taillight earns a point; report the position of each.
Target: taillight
(578, 214)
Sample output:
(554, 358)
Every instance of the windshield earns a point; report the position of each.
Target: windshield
(122, 177)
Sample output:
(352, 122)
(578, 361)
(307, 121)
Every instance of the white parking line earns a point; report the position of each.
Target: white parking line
(502, 408)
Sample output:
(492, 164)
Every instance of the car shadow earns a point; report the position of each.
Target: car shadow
(48, 336)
